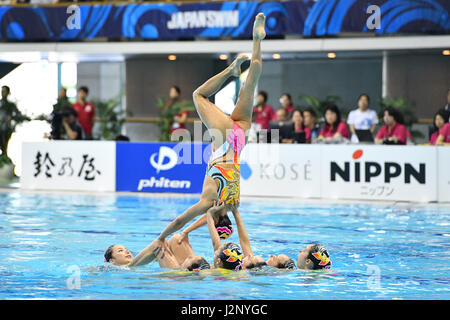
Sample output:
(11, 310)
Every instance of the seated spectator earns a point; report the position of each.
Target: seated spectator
(286, 103)
(362, 118)
(263, 113)
(439, 120)
(281, 115)
(71, 125)
(444, 136)
(297, 119)
(334, 128)
(311, 128)
(393, 132)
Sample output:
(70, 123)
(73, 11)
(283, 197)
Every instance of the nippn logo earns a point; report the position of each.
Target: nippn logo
(159, 162)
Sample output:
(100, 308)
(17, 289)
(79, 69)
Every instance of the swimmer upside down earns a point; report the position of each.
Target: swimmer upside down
(222, 180)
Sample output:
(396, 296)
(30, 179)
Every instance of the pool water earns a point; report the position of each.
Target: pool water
(52, 245)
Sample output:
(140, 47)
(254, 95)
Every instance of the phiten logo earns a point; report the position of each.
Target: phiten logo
(164, 152)
(165, 159)
(372, 169)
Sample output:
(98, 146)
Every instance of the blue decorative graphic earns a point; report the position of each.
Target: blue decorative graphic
(246, 171)
(165, 21)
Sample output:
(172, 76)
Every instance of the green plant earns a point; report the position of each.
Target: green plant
(111, 117)
(316, 103)
(405, 108)
(167, 110)
(10, 117)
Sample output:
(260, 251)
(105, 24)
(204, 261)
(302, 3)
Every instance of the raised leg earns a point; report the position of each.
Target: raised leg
(209, 113)
(242, 114)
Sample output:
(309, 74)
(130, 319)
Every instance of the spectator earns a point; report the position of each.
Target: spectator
(86, 112)
(297, 118)
(180, 118)
(281, 115)
(73, 129)
(362, 118)
(62, 103)
(309, 122)
(440, 118)
(334, 127)
(393, 132)
(263, 113)
(286, 103)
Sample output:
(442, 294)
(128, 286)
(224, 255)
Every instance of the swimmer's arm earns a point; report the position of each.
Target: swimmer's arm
(146, 256)
(197, 224)
(243, 235)
(212, 230)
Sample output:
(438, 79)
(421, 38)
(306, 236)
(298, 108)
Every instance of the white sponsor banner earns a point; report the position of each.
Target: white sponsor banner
(281, 170)
(399, 173)
(444, 173)
(69, 165)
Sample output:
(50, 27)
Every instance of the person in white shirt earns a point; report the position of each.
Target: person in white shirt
(362, 118)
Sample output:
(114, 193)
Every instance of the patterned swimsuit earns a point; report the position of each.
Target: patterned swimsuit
(226, 172)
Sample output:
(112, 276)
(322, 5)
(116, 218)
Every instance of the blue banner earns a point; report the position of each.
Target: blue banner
(161, 167)
(166, 21)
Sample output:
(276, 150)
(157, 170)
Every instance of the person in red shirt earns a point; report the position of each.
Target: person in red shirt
(444, 136)
(262, 113)
(286, 103)
(439, 120)
(334, 127)
(393, 132)
(86, 112)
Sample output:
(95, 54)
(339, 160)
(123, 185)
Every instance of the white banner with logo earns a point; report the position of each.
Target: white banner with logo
(444, 173)
(399, 173)
(281, 170)
(69, 165)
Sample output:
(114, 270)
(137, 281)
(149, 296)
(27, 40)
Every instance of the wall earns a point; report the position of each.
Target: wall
(420, 78)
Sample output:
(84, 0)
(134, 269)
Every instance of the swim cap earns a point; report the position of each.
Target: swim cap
(320, 257)
(231, 257)
(200, 264)
(224, 227)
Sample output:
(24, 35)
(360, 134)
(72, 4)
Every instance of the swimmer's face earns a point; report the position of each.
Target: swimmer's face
(302, 260)
(120, 255)
(275, 261)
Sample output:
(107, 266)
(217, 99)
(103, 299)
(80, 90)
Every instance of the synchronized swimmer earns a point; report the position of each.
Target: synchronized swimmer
(221, 188)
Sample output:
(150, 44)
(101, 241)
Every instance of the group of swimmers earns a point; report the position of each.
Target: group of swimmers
(220, 189)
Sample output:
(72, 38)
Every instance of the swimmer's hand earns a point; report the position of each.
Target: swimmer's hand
(217, 206)
(234, 207)
(184, 236)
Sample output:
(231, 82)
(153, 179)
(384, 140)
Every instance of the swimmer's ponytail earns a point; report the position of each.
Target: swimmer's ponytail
(108, 253)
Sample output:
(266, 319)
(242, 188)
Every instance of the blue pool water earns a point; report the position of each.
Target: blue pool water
(46, 238)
